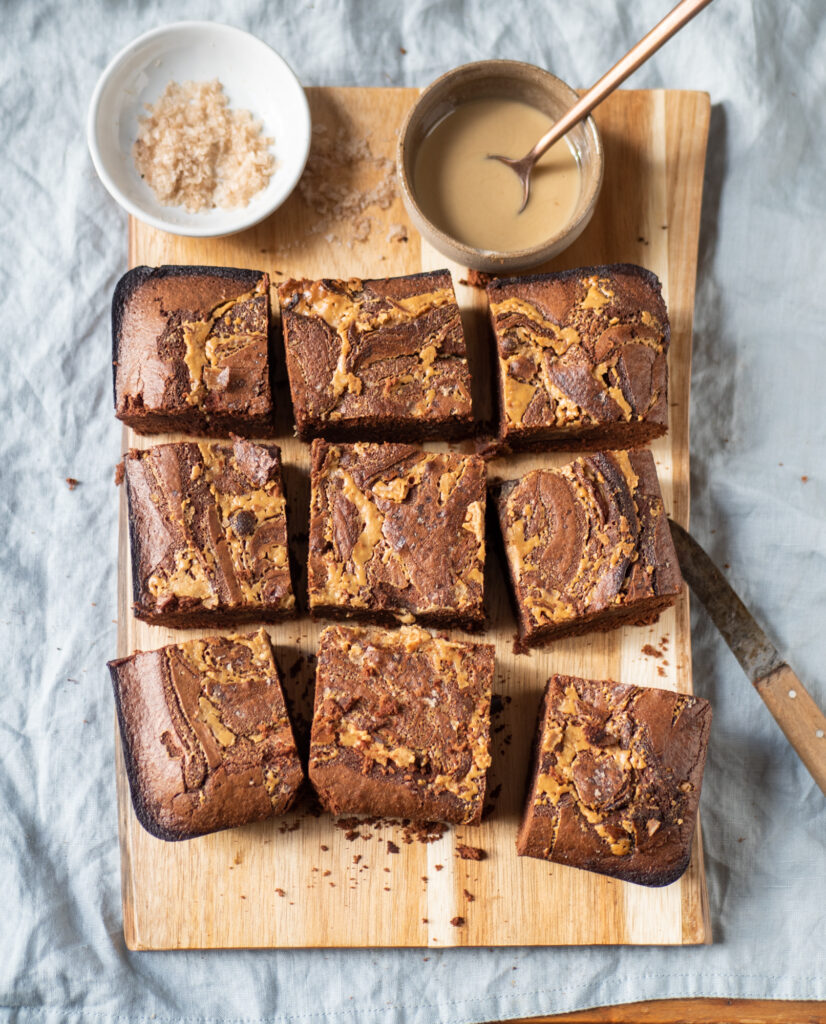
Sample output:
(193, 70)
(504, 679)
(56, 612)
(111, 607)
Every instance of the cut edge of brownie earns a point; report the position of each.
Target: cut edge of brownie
(216, 424)
(471, 623)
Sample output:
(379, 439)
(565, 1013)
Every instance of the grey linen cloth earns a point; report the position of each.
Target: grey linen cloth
(758, 486)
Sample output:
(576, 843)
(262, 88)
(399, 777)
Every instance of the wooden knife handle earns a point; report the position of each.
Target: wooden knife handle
(802, 721)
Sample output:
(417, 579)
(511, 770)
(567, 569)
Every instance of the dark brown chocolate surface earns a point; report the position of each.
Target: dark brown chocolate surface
(190, 350)
(376, 359)
(396, 533)
(208, 532)
(401, 727)
(582, 357)
(588, 545)
(206, 737)
(616, 779)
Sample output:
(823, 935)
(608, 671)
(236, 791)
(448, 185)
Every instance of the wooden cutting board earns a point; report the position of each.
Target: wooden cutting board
(301, 880)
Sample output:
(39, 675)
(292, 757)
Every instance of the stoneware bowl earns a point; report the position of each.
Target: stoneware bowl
(254, 78)
(507, 79)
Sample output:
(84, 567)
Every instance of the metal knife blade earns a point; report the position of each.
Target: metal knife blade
(749, 644)
(788, 700)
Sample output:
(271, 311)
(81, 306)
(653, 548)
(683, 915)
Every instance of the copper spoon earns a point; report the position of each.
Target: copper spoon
(625, 66)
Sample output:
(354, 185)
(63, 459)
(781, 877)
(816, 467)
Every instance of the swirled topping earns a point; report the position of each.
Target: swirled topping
(211, 528)
(574, 536)
(374, 350)
(580, 349)
(408, 708)
(617, 775)
(396, 529)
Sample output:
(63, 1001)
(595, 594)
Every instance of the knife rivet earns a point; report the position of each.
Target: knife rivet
(793, 694)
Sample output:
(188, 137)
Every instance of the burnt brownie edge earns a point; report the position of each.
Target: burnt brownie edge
(135, 277)
(142, 812)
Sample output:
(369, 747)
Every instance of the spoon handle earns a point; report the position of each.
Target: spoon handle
(625, 66)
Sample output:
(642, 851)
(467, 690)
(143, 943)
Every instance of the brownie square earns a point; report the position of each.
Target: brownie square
(208, 532)
(401, 727)
(190, 350)
(588, 546)
(369, 360)
(206, 737)
(396, 534)
(582, 358)
(616, 779)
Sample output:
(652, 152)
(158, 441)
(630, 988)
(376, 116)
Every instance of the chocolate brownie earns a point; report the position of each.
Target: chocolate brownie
(588, 546)
(582, 358)
(371, 360)
(616, 779)
(190, 350)
(206, 737)
(396, 534)
(401, 727)
(208, 532)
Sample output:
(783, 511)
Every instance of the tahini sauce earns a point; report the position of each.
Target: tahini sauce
(476, 200)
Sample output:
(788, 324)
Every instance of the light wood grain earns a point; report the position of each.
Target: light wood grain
(801, 720)
(223, 890)
(695, 1011)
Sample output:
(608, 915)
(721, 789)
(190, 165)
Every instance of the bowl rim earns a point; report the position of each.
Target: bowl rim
(512, 257)
(246, 219)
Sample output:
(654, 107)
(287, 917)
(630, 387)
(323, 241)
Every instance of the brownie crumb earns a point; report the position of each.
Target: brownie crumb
(356, 858)
(468, 896)
(651, 652)
(120, 472)
(281, 892)
(439, 867)
(71, 483)
(402, 50)
(457, 922)
(424, 831)
(326, 873)
(470, 852)
(805, 479)
(425, 921)
(476, 279)
(391, 847)
(325, 848)
(661, 671)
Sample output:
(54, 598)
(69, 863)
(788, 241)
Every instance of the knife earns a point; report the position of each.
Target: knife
(794, 710)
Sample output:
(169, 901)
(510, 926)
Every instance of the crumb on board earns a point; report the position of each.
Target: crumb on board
(470, 852)
(468, 896)
(476, 279)
(651, 652)
(120, 472)
(439, 866)
(391, 847)
(281, 892)
(457, 921)
(71, 483)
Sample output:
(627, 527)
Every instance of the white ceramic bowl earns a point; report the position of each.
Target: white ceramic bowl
(254, 77)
